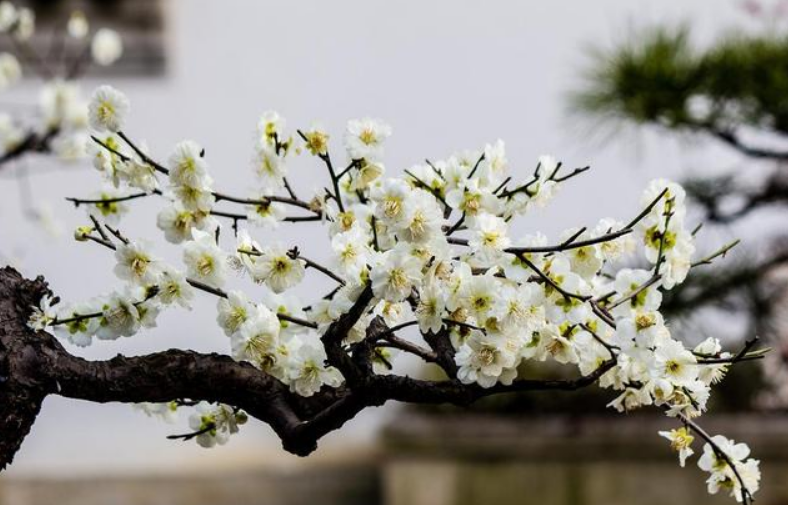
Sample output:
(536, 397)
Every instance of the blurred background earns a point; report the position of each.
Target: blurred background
(694, 91)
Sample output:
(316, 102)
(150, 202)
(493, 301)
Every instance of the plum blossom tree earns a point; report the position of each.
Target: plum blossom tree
(429, 250)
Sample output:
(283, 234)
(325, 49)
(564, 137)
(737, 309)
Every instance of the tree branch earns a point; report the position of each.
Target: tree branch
(31, 143)
(34, 365)
(735, 142)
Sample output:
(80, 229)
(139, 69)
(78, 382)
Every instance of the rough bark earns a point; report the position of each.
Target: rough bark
(22, 387)
(34, 365)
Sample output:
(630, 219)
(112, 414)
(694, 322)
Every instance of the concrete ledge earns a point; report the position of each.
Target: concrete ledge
(561, 438)
(482, 460)
(327, 485)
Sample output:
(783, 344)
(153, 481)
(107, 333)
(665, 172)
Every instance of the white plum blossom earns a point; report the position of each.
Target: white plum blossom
(478, 295)
(364, 138)
(205, 261)
(431, 308)
(473, 200)
(10, 133)
(719, 463)
(316, 140)
(78, 25)
(366, 173)
(42, 315)
(277, 269)
(78, 329)
(393, 313)
(352, 251)
(422, 218)
(356, 214)
(612, 250)
(187, 165)
(111, 210)
(630, 285)
(10, 70)
(309, 373)
(394, 274)
(135, 263)
(537, 192)
(178, 222)
(254, 331)
(106, 46)
(167, 412)
(285, 305)
(585, 261)
(233, 311)
(138, 175)
(711, 348)
(519, 308)
(490, 236)
(266, 214)
(674, 362)
(120, 316)
(108, 108)
(565, 282)
(666, 240)
(25, 24)
(678, 261)
(514, 267)
(8, 16)
(61, 106)
(215, 423)
(260, 342)
(559, 344)
(269, 167)
(390, 197)
(269, 128)
(642, 331)
(196, 197)
(486, 360)
(680, 441)
(493, 167)
(174, 288)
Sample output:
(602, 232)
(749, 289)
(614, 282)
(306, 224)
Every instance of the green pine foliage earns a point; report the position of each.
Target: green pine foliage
(655, 78)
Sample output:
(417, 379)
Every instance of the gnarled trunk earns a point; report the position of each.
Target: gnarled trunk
(22, 386)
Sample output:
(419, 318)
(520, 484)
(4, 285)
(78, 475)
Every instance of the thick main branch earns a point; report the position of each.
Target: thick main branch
(34, 365)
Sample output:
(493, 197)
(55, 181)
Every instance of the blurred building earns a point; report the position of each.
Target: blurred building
(142, 23)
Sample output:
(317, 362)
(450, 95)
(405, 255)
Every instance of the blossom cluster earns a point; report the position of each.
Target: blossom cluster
(62, 115)
(436, 249)
(728, 463)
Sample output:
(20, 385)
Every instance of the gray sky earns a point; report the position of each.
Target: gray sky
(447, 75)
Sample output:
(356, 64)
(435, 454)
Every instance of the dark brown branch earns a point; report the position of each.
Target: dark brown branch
(395, 342)
(441, 344)
(20, 395)
(326, 157)
(34, 365)
(32, 143)
(564, 246)
(217, 195)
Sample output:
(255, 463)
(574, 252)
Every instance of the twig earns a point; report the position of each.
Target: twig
(719, 253)
(746, 496)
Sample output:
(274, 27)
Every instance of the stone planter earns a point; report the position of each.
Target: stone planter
(483, 460)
